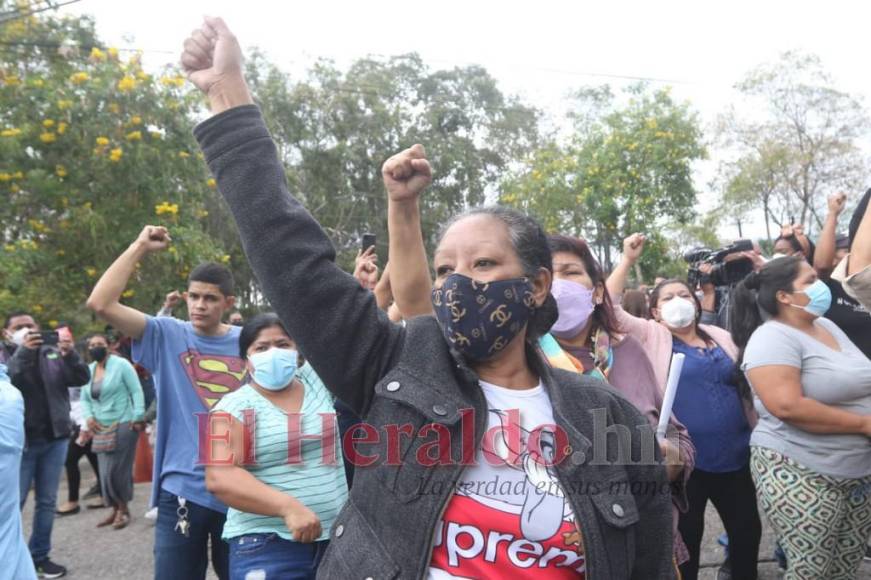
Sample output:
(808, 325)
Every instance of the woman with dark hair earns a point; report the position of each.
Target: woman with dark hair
(811, 454)
(438, 498)
(588, 336)
(792, 241)
(113, 407)
(281, 502)
(718, 415)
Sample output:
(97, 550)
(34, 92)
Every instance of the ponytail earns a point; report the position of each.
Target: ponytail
(755, 294)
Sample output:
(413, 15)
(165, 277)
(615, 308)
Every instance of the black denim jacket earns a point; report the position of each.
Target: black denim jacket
(394, 374)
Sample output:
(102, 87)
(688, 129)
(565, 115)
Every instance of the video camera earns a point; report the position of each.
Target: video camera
(723, 273)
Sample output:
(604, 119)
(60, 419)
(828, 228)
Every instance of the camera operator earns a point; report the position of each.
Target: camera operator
(716, 272)
(43, 366)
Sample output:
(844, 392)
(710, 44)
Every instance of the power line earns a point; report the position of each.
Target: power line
(18, 15)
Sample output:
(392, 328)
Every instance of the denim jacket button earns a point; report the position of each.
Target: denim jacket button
(439, 410)
(618, 510)
(340, 529)
(393, 386)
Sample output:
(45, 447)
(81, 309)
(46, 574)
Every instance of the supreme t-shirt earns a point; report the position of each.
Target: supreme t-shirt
(508, 517)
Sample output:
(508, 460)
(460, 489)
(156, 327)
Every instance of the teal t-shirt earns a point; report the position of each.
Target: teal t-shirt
(317, 484)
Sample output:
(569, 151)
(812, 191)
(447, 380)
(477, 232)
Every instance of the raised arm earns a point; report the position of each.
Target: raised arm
(105, 298)
(633, 246)
(331, 317)
(824, 255)
(406, 175)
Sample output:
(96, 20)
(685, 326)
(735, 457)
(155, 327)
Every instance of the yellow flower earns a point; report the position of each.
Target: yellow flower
(91, 272)
(651, 123)
(18, 175)
(176, 81)
(97, 54)
(128, 294)
(211, 182)
(184, 154)
(60, 170)
(11, 81)
(102, 141)
(61, 128)
(9, 247)
(127, 84)
(136, 120)
(64, 104)
(48, 137)
(48, 123)
(134, 136)
(52, 323)
(11, 132)
(115, 154)
(114, 108)
(14, 188)
(113, 53)
(202, 213)
(5, 177)
(38, 83)
(61, 253)
(37, 308)
(225, 258)
(166, 207)
(79, 77)
(155, 134)
(142, 76)
(87, 205)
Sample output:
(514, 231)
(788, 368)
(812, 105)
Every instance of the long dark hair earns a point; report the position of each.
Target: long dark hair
(797, 247)
(530, 244)
(603, 315)
(755, 294)
(253, 327)
(654, 301)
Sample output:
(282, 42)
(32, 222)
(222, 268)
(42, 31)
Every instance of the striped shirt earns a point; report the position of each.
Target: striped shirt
(316, 484)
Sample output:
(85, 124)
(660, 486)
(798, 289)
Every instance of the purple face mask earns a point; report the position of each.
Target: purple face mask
(575, 304)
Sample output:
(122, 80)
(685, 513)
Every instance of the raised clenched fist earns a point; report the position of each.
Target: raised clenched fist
(212, 56)
(154, 238)
(406, 174)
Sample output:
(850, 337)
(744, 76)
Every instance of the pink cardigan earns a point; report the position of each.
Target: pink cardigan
(657, 341)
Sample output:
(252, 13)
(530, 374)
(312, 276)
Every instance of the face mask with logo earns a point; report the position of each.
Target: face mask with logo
(575, 304)
(275, 368)
(820, 298)
(479, 319)
(98, 353)
(678, 312)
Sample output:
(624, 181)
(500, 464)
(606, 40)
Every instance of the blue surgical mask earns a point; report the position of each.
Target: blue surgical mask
(275, 368)
(820, 298)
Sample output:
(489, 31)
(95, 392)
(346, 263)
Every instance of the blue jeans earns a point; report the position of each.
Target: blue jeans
(271, 557)
(43, 462)
(179, 557)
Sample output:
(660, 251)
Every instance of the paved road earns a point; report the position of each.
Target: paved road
(106, 554)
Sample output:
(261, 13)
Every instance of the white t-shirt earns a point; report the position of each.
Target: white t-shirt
(508, 517)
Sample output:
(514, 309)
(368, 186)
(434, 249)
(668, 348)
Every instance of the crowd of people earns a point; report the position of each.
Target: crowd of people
(505, 419)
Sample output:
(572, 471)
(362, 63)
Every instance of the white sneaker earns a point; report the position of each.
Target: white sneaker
(151, 515)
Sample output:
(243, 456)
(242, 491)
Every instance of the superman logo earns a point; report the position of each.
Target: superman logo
(211, 375)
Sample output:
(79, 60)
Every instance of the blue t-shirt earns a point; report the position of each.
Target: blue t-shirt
(191, 374)
(708, 404)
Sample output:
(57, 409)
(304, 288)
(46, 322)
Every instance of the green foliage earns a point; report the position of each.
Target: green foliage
(627, 169)
(91, 149)
(335, 129)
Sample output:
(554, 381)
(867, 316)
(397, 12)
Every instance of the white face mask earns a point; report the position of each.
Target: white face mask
(19, 335)
(678, 312)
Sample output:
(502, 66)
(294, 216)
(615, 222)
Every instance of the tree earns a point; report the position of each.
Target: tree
(335, 128)
(803, 148)
(91, 149)
(626, 169)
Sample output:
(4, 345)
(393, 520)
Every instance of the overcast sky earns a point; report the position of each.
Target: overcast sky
(538, 49)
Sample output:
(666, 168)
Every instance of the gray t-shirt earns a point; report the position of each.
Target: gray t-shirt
(839, 379)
